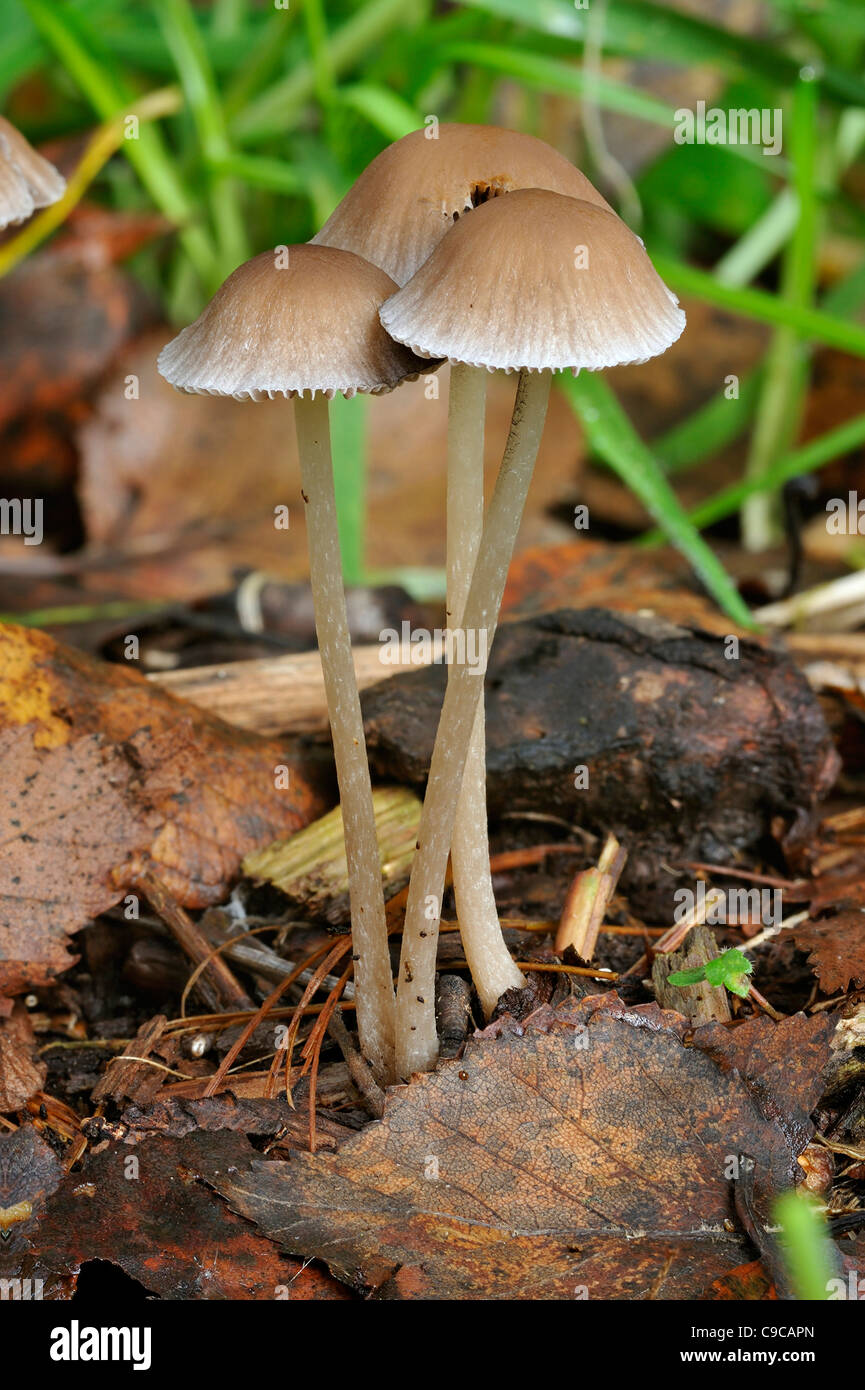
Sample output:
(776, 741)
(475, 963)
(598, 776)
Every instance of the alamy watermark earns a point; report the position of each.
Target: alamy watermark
(845, 516)
(735, 905)
(22, 516)
(423, 647)
(740, 126)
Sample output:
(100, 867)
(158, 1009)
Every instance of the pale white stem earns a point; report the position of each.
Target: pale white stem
(493, 970)
(416, 1040)
(372, 971)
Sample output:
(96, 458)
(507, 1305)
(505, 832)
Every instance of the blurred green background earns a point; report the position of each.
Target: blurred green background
(272, 110)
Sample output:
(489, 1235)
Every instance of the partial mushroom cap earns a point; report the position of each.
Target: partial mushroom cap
(409, 197)
(537, 281)
(276, 329)
(27, 181)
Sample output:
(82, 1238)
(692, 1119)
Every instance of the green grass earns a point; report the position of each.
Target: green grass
(283, 107)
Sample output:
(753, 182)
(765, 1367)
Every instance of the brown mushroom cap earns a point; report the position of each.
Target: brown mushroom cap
(311, 325)
(536, 281)
(27, 181)
(404, 202)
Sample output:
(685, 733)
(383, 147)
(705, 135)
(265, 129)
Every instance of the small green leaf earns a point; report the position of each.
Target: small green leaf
(730, 970)
(687, 977)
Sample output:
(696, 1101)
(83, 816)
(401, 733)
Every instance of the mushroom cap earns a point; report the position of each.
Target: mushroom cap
(283, 330)
(27, 181)
(537, 281)
(404, 202)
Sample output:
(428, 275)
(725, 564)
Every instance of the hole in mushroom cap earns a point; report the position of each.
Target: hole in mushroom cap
(482, 192)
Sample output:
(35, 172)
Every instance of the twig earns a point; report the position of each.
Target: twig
(763, 1003)
(216, 985)
(359, 1069)
(554, 967)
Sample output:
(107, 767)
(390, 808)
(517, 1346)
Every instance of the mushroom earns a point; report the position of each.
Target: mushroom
(395, 215)
(303, 322)
(27, 181)
(397, 211)
(535, 282)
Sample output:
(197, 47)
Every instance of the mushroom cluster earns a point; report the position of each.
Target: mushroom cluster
(487, 248)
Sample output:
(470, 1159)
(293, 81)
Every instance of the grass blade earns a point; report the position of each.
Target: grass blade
(765, 308)
(390, 115)
(834, 444)
(787, 362)
(611, 434)
(567, 79)
(711, 428)
(278, 105)
(77, 48)
(647, 30)
(187, 48)
(348, 422)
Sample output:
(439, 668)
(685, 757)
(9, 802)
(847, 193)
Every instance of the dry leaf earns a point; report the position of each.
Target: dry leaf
(837, 947)
(21, 1075)
(63, 321)
(100, 770)
(166, 462)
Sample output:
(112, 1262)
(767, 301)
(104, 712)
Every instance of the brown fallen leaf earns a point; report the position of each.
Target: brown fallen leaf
(837, 947)
(62, 321)
(781, 1064)
(29, 1172)
(102, 772)
(174, 1116)
(586, 573)
(144, 1210)
(166, 462)
(587, 1153)
(21, 1076)
(747, 1284)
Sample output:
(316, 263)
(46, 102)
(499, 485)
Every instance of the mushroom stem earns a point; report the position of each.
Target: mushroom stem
(493, 970)
(416, 1041)
(372, 970)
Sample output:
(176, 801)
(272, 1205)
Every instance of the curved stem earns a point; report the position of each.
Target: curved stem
(416, 1041)
(373, 982)
(492, 968)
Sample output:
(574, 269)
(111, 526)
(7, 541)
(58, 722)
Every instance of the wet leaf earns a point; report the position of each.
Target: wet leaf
(781, 1064)
(590, 1155)
(29, 1172)
(146, 1211)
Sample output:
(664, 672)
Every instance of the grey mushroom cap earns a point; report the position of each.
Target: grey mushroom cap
(537, 281)
(27, 181)
(295, 321)
(409, 197)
